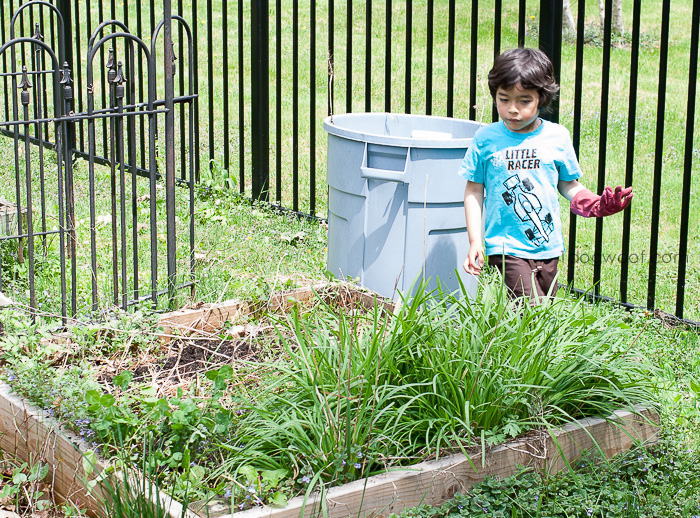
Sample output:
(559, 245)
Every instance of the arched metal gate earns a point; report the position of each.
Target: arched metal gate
(113, 228)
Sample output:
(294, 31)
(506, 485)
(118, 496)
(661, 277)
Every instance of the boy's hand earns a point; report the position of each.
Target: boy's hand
(588, 205)
(475, 259)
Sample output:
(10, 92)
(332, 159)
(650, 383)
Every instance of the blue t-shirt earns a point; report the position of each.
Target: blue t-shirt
(520, 172)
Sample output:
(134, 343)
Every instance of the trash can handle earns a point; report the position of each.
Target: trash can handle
(391, 175)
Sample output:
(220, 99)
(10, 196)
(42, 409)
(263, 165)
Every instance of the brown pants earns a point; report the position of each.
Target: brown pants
(527, 277)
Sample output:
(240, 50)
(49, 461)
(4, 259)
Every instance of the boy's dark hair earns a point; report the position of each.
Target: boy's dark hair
(529, 67)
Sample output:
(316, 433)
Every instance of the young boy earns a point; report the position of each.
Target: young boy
(515, 167)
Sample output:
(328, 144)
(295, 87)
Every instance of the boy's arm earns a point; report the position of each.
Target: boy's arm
(473, 203)
(570, 189)
(587, 204)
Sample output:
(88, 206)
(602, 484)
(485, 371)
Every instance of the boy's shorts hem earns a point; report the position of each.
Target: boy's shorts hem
(533, 278)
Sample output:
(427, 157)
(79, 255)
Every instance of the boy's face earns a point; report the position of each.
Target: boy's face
(518, 108)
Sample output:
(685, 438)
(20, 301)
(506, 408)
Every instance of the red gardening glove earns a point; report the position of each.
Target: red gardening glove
(589, 205)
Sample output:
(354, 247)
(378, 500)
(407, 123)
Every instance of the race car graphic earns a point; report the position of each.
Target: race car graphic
(527, 207)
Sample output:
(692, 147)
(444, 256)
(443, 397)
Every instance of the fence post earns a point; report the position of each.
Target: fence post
(260, 98)
(64, 7)
(169, 150)
(551, 12)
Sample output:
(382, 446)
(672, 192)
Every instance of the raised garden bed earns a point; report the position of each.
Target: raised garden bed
(193, 338)
(435, 482)
(28, 434)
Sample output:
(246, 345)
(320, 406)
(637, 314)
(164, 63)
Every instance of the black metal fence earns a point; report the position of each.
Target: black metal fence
(273, 69)
(93, 229)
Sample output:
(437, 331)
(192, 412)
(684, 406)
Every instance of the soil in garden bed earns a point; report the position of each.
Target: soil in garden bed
(256, 341)
(186, 358)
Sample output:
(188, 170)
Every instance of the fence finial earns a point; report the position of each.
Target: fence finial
(110, 66)
(37, 33)
(25, 85)
(119, 80)
(67, 82)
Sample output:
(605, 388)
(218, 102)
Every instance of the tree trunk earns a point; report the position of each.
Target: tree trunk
(617, 24)
(568, 21)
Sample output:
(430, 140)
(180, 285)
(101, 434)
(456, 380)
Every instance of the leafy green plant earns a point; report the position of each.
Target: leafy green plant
(258, 488)
(182, 427)
(20, 485)
(215, 178)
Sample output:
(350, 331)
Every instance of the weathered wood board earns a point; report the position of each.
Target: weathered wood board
(27, 434)
(8, 218)
(435, 482)
(209, 318)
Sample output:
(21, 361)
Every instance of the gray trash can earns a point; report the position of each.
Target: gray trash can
(395, 200)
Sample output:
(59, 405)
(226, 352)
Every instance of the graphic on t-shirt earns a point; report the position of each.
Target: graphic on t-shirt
(527, 207)
(518, 159)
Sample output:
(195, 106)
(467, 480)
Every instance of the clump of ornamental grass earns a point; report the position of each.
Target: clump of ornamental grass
(365, 392)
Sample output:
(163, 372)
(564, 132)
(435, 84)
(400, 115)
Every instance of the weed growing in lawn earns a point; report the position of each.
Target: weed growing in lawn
(595, 36)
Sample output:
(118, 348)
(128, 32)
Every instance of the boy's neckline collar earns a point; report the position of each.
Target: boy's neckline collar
(522, 135)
